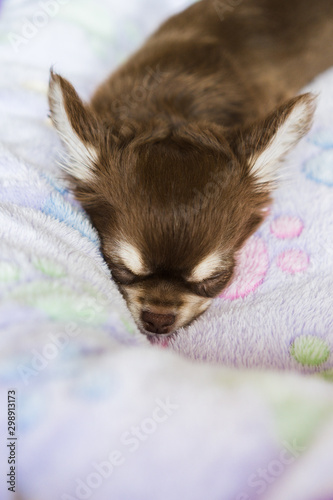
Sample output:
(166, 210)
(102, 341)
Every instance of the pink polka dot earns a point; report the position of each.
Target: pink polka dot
(293, 261)
(286, 227)
(252, 266)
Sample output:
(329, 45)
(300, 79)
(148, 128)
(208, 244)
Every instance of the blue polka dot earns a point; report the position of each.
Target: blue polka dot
(322, 138)
(320, 168)
(55, 184)
(60, 209)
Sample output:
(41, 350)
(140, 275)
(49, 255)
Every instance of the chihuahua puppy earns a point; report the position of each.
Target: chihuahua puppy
(177, 154)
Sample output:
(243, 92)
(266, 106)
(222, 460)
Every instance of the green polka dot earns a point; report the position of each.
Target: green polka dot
(9, 272)
(298, 419)
(62, 303)
(327, 375)
(309, 350)
(50, 268)
(296, 416)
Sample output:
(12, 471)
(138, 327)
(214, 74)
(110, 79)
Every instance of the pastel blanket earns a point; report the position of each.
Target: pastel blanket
(99, 412)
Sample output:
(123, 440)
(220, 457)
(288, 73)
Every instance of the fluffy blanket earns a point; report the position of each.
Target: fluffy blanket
(99, 412)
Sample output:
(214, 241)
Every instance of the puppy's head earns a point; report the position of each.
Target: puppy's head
(173, 203)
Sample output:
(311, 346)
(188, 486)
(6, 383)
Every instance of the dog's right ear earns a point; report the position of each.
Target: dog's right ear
(266, 143)
(77, 127)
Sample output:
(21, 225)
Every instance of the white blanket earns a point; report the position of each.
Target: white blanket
(100, 413)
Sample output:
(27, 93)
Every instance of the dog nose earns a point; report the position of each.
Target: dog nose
(157, 323)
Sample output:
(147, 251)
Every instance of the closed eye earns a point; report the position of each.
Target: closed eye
(122, 274)
(213, 285)
(217, 276)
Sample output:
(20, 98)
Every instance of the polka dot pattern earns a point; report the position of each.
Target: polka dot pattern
(49, 267)
(253, 261)
(327, 375)
(293, 261)
(286, 226)
(61, 303)
(9, 272)
(323, 138)
(251, 269)
(320, 168)
(309, 350)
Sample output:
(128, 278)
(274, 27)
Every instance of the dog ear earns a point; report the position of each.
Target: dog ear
(78, 128)
(265, 143)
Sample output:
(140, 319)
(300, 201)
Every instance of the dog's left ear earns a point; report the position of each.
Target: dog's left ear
(264, 144)
(77, 126)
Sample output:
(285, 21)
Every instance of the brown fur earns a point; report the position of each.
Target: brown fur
(177, 129)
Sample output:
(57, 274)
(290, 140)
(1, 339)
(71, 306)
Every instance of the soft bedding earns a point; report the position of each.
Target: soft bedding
(100, 413)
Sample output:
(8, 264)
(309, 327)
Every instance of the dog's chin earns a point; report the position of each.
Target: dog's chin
(159, 339)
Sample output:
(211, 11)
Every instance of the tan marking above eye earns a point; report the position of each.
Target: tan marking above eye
(207, 268)
(131, 258)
